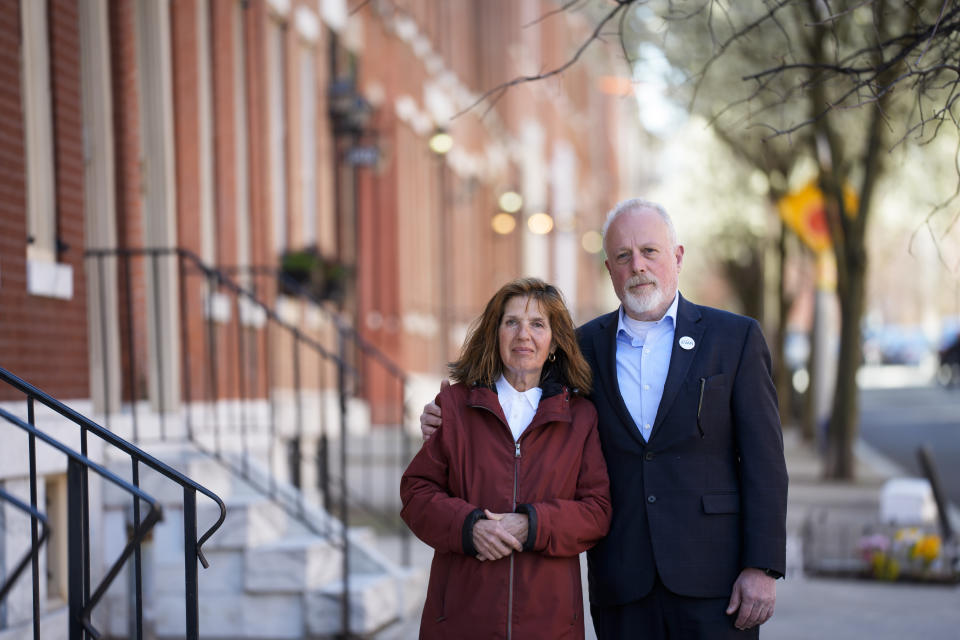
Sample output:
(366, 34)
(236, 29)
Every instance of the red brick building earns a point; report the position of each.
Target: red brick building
(167, 165)
(205, 125)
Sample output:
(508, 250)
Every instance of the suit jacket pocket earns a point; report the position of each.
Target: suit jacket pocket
(710, 383)
(721, 503)
(717, 381)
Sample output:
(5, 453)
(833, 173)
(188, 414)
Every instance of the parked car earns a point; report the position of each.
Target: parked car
(895, 344)
(948, 373)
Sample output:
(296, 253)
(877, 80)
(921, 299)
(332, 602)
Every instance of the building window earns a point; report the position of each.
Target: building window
(242, 181)
(208, 222)
(276, 62)
(308, 148)
(38, 130)
(44, 275)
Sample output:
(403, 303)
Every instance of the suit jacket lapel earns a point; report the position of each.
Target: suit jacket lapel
(605, 346)
(688, 325)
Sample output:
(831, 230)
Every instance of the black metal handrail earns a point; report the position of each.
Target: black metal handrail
(82, 600)
(217, 279)
(33, 552)
(348, 337)
(303, 291)
(219, 328)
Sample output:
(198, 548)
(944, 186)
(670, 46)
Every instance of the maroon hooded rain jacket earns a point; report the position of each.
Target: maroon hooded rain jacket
(555, 473)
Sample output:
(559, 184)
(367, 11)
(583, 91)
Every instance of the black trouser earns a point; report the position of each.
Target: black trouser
(664, 615)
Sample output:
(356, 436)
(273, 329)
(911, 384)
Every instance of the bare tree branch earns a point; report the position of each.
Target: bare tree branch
(360, 6)
(933, 34)
(623, 43)
(569, 5)
(501, 89)
(722, 47)
(833, 17)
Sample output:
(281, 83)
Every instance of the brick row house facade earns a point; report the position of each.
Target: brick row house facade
(166, 165)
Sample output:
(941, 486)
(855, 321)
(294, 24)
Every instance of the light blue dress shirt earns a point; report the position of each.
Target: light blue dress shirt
(643, 359)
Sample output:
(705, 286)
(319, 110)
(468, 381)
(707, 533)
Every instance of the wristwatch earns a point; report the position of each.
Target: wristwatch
(776, 575)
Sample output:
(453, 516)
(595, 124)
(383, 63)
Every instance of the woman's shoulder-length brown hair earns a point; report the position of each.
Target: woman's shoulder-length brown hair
(480, 361)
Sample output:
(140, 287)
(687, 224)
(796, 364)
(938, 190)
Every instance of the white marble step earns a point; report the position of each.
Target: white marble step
(292, 564)
(234, 617)
(196, 466)
(374, 604)
(270, 576)
(251, 521)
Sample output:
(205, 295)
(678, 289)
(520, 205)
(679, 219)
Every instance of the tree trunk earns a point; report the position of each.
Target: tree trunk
(782, 371)
(809, 420)
(843, 427)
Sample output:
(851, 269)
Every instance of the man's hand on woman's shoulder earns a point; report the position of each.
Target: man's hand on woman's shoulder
(430, 418)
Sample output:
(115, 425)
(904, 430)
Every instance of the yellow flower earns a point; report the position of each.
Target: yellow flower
(885, 567)
(926, 548)
(907, 534)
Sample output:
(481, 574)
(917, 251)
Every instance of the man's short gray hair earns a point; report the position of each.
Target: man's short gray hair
(633, 204)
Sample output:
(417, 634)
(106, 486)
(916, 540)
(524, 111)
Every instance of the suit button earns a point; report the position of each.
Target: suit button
(648, 456)
(651, 499)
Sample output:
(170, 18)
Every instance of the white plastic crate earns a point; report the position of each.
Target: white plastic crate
(907, 501)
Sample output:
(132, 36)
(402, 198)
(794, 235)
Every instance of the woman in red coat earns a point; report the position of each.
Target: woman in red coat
(513, 485)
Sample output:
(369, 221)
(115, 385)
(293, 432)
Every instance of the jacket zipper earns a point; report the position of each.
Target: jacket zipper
(516, 471)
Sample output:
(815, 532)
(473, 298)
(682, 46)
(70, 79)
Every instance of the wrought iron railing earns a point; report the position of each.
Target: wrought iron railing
(32, 556)
(83, 597)
(265, 395)
(364, 361)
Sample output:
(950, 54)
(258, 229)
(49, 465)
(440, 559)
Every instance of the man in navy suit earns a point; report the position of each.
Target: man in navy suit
(690, 430)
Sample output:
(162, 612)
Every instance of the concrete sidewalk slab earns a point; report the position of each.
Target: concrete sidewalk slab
(809, 608)
(840, 609)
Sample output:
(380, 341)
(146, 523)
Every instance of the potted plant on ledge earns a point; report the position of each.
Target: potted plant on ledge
(306, 272)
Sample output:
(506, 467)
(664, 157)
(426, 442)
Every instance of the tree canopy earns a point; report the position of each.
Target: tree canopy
(838, 82)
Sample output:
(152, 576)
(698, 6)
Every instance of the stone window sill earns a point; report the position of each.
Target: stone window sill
(49, 279)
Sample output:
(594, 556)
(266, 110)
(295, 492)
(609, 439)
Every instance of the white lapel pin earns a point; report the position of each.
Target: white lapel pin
(686, 342)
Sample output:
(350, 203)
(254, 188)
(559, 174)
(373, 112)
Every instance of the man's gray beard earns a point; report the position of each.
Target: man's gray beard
(639, 305)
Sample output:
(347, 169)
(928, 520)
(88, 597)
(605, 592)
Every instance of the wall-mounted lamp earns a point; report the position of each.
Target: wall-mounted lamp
(441, 142)
(349, 110)
(503, 223)
(540, 223)
(592, 242)
(510, 201)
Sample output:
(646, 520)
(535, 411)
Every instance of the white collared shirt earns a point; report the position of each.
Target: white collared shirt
(643, 359)
(519, 407)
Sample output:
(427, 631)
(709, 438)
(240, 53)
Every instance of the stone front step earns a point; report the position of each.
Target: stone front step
(250, 521)
(53, 626)
(374, 604)
(202, 470)
(272, 575)
(235, 616)
(291, 565)
(289, 587)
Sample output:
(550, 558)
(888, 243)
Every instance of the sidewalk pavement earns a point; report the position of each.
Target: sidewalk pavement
(813, 607)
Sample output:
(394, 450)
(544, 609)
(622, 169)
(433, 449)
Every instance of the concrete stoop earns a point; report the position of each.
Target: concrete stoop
(271, 576)
(53, 626)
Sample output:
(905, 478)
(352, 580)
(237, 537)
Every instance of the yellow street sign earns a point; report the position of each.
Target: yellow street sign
(804, 214)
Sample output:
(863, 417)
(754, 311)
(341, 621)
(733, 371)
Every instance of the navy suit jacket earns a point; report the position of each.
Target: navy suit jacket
(705, 497)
